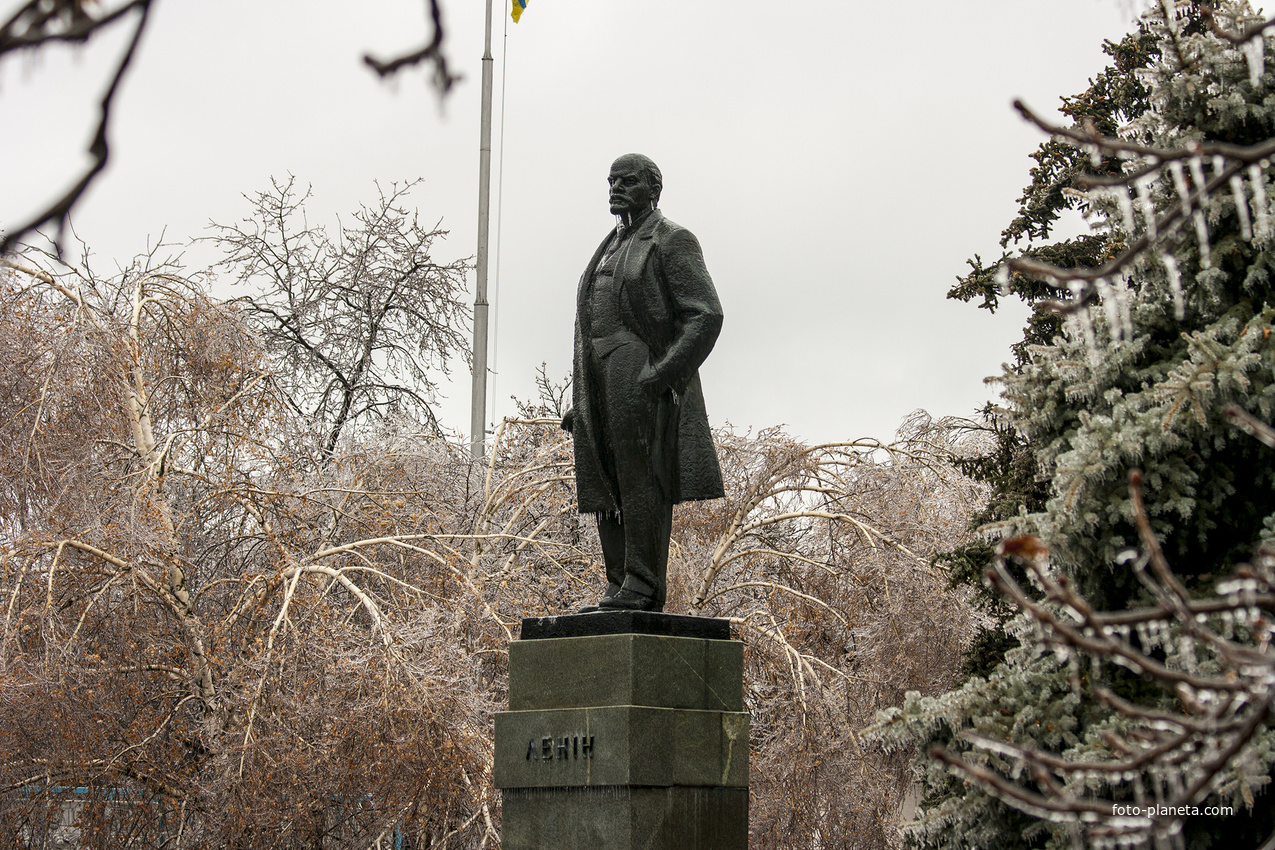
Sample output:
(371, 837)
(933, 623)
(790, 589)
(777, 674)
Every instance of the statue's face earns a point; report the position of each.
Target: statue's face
(630, 193)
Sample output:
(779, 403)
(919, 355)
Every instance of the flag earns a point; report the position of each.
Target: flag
(516, 11)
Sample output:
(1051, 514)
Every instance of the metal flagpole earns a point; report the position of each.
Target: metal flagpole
(478, 397)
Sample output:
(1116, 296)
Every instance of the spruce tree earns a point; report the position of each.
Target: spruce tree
(1113, 98)
(1167, 320)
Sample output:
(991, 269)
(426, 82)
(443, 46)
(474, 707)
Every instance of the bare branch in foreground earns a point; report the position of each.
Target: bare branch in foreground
(58, 213)
(432, 52)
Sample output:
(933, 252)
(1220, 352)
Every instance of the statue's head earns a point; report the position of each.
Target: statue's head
(635, 183)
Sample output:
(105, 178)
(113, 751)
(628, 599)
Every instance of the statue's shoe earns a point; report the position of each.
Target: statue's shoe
(629, 600)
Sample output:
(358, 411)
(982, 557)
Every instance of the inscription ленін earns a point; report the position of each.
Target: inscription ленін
(564, 748)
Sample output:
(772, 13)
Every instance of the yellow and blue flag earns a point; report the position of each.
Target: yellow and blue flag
(516, 11)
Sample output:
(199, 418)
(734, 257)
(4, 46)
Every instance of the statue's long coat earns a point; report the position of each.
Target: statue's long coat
(667, 299)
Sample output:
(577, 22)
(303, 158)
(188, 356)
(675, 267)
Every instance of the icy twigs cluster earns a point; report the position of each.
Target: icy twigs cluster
(1156, 762)
(1164, 196)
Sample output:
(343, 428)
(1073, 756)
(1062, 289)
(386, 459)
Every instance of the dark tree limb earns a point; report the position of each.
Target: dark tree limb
(1250, 424)
(432, 52)
(59, 212)
(41, 22)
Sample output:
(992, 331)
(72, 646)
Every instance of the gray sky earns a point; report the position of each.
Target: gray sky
(838, 161)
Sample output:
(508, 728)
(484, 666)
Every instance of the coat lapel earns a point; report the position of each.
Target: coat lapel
(638, 249)
(593, 265)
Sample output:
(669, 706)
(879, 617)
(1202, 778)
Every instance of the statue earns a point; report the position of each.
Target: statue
(647, 316)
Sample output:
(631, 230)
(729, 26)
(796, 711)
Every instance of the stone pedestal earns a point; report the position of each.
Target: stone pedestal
(625, 730)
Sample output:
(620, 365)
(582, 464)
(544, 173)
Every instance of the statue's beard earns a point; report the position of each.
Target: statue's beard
(625, 217)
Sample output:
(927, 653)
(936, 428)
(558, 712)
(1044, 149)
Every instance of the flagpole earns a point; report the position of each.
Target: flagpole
(478, 394)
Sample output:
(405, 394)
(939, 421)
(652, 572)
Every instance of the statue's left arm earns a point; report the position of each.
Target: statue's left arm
(697, 313)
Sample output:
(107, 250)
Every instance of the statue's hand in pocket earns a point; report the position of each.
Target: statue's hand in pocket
(650, 381)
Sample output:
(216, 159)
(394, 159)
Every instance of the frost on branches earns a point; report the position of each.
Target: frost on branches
(221, 627)
(1140, 696)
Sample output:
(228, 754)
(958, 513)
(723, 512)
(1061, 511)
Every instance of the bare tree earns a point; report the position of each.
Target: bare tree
(357, 326)
(823, 560)
(188, 634)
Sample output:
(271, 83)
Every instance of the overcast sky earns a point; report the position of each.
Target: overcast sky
(838, 161)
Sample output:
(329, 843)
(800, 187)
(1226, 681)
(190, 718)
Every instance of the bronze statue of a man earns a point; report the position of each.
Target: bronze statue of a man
(647, 316)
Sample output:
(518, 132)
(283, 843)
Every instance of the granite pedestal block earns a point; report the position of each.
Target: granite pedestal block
(625, 730)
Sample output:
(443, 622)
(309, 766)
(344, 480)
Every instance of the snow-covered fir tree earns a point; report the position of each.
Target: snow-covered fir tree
(1165, 344)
